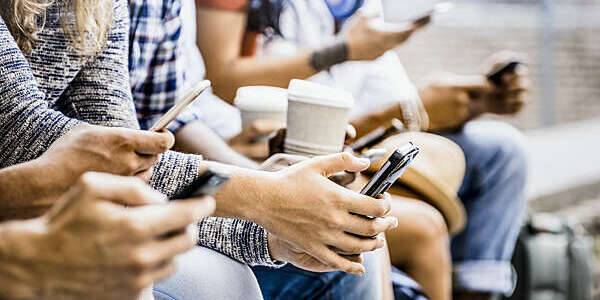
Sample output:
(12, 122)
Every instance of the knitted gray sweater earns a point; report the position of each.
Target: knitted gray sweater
(47, 92)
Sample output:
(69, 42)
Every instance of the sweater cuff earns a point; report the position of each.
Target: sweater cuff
(241, 240)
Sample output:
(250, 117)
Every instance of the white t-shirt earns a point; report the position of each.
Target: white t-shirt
(308, 24)
(305, 24)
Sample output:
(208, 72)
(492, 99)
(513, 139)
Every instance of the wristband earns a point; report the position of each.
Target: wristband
(329, 56)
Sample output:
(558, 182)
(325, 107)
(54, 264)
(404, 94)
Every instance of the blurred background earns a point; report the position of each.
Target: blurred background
(561, 41)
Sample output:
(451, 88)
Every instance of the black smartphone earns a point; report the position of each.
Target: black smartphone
(495, 76)
(391, 170)
(207, 184)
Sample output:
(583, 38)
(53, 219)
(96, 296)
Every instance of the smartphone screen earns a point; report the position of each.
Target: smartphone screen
(391, 170)
(180, 105)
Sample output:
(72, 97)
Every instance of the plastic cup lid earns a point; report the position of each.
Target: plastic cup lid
(310, 92)
(261, 98)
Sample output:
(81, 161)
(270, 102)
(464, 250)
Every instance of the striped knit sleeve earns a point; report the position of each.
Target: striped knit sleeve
(100, 93)
(27, 125)
(241, 240)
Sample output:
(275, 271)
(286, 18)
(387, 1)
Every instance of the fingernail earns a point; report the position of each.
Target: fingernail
(394, 222)
(364, 161)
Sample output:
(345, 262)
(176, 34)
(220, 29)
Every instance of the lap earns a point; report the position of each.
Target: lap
(206, 274)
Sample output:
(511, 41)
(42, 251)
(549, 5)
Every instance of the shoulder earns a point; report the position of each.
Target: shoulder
(224, 5)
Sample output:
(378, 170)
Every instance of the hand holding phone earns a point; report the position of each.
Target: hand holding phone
(391, 170)
(179, 106)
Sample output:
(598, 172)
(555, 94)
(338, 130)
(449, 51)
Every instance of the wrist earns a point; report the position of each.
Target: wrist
(330, 56)
(19, 248)
(274, 248)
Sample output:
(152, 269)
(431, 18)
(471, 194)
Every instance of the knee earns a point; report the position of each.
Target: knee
(503, 143)
(206, 274)
(425, 225)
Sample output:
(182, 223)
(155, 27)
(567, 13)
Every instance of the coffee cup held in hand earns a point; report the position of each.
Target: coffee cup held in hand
(317, 118)
(261, 103)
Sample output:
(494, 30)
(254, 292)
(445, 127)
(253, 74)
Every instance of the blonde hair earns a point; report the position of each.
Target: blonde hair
(87, 27)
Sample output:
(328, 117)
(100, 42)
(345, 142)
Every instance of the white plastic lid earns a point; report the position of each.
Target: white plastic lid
(310, 92)
(261, 98)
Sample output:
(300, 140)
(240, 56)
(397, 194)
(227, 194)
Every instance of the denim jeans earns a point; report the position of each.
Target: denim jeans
(290, 282)
(493, 192)
(204, 274)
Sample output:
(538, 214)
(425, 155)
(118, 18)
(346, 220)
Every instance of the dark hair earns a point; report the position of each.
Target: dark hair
(263, 16)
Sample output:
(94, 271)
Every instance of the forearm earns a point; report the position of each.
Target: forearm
(369, 122)
(17, 272)
(227, 77)
(195, 137)
(27, 190)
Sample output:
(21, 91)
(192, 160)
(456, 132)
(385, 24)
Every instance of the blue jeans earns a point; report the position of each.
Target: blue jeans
(204, 274)
(290, 282)
(493, 192)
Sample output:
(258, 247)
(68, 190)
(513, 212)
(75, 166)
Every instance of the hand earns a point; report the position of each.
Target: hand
(251, 141)
(509, 96)
(111, 150)
(451, 100)
(368, 43)
(281, 161)
(282, 250)
(92, 246)
(302, 207)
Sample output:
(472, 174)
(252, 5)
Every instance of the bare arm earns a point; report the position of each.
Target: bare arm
(29, 189)
(219, 38)
(193, 137)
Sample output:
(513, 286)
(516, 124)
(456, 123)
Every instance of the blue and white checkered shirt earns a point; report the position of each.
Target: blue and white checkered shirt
(156, 62)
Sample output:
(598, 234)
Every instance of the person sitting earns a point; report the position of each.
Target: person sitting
(108, 237)
(361, 62)
(45, 105)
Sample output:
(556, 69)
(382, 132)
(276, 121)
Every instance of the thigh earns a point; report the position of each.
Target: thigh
(206, 274)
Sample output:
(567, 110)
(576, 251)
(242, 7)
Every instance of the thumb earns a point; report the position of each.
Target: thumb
(334, 163)
(260, 128)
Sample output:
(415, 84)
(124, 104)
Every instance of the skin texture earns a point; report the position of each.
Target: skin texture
(219, 38)
(315, 220)
(452, 100)
(108, 237)
(37, 184)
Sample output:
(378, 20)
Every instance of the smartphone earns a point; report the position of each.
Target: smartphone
(391, 170)
(395, 11)
(179, 106)
(207, 184)
(495, 76)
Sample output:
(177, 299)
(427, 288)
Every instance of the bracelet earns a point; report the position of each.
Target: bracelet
(329, 56)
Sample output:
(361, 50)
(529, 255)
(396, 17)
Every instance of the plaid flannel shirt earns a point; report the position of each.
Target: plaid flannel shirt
(156, 61)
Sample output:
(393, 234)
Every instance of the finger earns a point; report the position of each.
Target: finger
(145, 175)
(159, 220)
(337, 262)
(142, 163)
(161, 250)
(368, 206)
(343, 178)
(369, 227)
(148, 142)
(348, 244)
(350, 132)
(157, 274)
(119, 189)
(334, 163)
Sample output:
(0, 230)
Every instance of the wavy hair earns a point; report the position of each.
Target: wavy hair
(85, 22)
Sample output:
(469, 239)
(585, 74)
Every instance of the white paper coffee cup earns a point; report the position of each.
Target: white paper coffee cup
(261, 102)
(317, 118)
